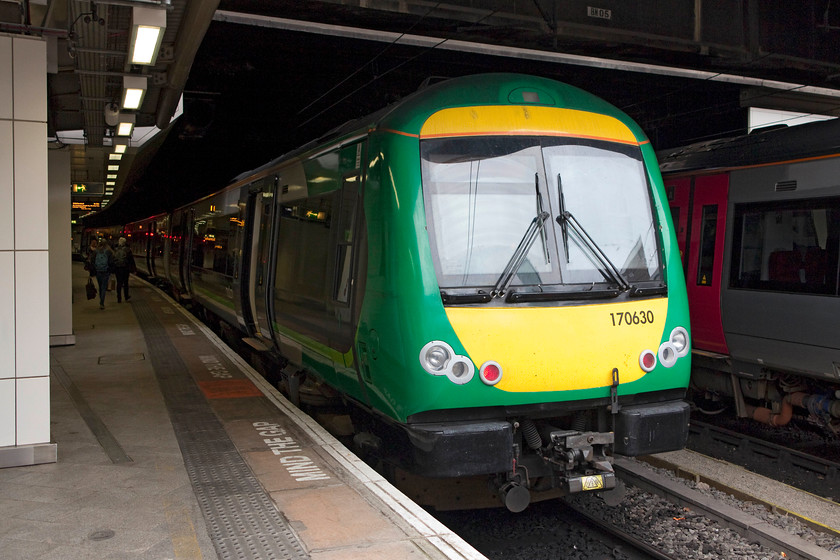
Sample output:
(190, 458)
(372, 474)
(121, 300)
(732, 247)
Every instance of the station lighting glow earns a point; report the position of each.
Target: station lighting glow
(111, 176)
(134, 90)
(115, 157)
(113, 168)
(147, 25)
(120, 145)
(126, 125)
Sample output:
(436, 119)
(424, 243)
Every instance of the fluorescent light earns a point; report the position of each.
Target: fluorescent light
(134, 90)
(113, 168)
(147, 26)
(126, 125)
(120, 145)
(115, 157)
(111, 176)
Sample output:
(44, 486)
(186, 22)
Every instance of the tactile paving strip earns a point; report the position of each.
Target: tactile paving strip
(241, 518)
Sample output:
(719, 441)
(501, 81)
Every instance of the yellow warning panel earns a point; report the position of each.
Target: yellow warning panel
(595, 482)
(229, 389)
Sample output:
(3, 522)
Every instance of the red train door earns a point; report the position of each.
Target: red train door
(704, 261)
(679, 199)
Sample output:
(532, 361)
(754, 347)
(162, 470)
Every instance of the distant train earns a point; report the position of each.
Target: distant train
(758, 224)
(485, 273)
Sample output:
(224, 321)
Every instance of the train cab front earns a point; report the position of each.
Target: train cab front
(566, 326)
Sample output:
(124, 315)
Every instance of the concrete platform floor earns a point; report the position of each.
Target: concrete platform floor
(123, 488)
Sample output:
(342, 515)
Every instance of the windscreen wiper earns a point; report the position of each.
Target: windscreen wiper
(519, 254)
(563, 228)
(610, 271)
(540, 211)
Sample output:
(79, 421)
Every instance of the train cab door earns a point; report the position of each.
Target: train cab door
(262, 272)
(704, 261)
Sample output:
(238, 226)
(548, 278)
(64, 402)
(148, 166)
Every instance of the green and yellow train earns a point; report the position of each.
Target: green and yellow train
(485, 273)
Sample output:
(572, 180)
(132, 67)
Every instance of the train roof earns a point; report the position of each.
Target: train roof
(762, 146)
(409, 113)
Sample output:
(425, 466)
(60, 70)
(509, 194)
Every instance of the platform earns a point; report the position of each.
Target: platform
(171, 446)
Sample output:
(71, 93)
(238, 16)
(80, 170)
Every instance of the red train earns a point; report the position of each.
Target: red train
(758, 224)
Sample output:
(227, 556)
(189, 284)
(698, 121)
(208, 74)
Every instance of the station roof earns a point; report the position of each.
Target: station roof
(258, 78)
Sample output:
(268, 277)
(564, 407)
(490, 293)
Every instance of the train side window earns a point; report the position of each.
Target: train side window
(708, 236)
(787, 247)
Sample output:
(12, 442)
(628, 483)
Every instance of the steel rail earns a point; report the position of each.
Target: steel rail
(746, 525)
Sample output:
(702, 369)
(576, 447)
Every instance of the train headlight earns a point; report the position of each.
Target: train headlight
(438, 358)
(435, 357)
(461, 370)
(679, 340)
(667, 354)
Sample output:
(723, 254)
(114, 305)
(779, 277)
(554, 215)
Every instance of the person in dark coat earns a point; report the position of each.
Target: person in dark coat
(101, 262)
(123, 266)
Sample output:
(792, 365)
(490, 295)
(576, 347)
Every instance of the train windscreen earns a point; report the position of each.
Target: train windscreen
(484, 197)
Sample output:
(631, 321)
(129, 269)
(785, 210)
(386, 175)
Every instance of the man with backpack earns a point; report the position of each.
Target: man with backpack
(123, 266)
(101, 262)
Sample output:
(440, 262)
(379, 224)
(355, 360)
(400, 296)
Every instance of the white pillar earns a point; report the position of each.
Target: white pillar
(24, 287)
(61, 284)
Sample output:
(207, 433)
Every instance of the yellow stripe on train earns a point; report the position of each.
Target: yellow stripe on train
(561, 348)
(525, 120)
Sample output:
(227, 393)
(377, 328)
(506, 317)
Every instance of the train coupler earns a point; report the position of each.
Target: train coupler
(582, 460)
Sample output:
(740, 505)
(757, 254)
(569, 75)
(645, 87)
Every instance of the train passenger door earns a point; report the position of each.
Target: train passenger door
(186, 249)
(246, 266)
(261, 271)
(704, 261)
(679, 199)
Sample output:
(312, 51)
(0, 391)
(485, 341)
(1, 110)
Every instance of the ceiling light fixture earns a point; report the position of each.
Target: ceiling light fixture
(126, 125)
(134, 90)
(120, 145)
(147, 26)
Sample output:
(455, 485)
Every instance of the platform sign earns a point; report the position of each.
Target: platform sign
(79, 206)
(94, 188)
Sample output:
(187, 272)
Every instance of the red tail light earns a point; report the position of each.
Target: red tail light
(490, 373)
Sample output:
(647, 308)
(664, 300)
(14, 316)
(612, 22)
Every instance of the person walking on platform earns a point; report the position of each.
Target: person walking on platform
(123, 266)
(102, 263)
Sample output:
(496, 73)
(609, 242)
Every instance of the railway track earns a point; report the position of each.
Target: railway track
(631, 546)
(806, 471)
(749, 527)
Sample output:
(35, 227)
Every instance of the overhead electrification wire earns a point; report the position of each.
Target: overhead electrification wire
(372, 60)
(383, 74)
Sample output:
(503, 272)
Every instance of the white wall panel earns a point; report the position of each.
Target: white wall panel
(6, 99)
(7, 185)
(7, 317)
(29, 61)
(32, 340)
(7, 412)
(30, 185)
(33, 410)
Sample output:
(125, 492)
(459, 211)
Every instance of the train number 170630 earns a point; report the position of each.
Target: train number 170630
(643, 317)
